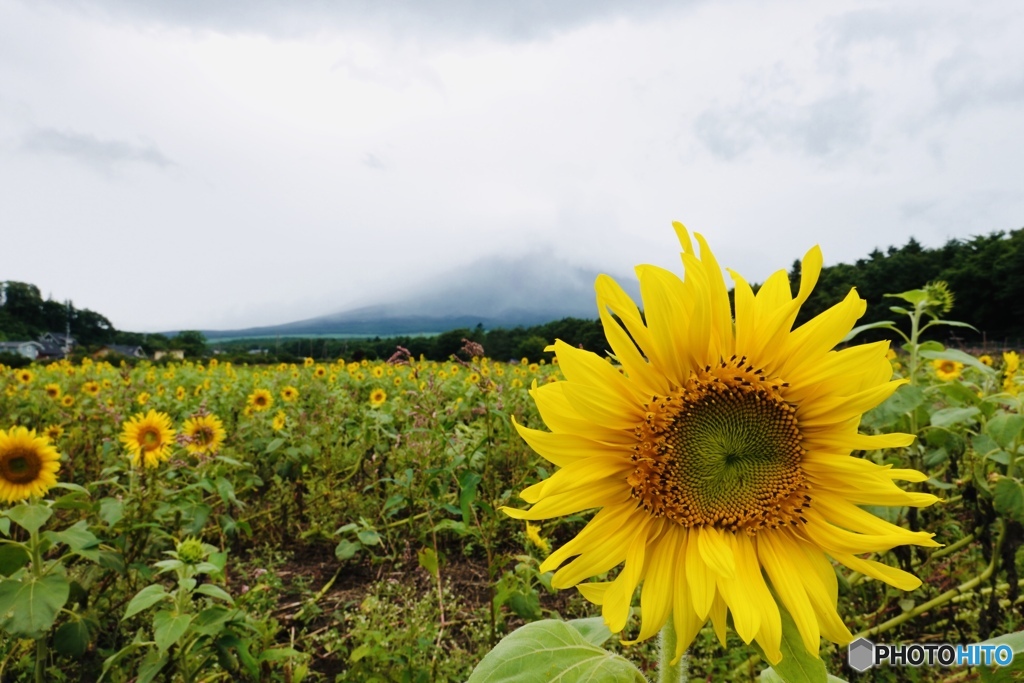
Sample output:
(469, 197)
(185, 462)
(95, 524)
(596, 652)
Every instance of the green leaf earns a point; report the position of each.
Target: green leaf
(29, 607)
(954, 416)
(1005, 428)
(468, 483)
(368, 537)
(797, 665)
(168, 627)
(959, 356)
(1006, 674)
(913, 296)
(12, 558)
(428, 560)
(346, 550)
(880, 325)
(77, 537)
(144, 599)
(593, 629)
(30, 517)
(552, 650)
(151, 665)
(72, 639)
(214, 591)
(111, 511)
(1008, 498)
(274, 445)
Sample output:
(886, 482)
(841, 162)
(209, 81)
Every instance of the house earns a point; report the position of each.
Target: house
(50, 351)
(63, 341)
(120, 350)
(176, 354)
(28, 349)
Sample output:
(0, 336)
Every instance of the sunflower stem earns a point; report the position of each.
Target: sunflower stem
(42, 648)
(667, 671)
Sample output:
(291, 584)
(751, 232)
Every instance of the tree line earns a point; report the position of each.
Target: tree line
(986, 274)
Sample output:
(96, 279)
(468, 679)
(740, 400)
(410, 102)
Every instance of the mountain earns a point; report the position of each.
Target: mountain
(494, 292)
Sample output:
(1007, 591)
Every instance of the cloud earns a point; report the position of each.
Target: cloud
(824, 127)
(103, 155)
(514, 21)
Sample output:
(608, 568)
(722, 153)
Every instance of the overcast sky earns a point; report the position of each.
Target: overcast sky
(190, 164)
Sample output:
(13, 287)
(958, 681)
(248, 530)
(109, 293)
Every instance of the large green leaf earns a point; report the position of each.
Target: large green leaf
(1008, 498)
(168, 627)
(144, 599)
(593, 629)
(1005, 428)
(12, 558)
(554, 651)
(946, 417)
(1006, 674)
(797, 665)
(959, 357)
(29, 517)
(72, 639)
(29, 607)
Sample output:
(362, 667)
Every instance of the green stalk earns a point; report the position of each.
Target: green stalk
(667, 671)
(42, 648)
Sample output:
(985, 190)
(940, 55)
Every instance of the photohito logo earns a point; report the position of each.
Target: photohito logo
(862, 654)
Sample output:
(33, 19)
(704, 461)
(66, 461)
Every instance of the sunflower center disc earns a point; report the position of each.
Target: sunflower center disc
(724, 450)
(150, 440)
(20, 466)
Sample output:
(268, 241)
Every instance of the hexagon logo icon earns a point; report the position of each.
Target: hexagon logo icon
(860, 654)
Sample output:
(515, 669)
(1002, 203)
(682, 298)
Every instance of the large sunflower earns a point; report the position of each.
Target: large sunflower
(148, 437)
(205, 434)
(28, 464)
(718, 449)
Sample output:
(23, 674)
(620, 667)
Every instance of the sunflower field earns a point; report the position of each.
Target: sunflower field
(371, 521)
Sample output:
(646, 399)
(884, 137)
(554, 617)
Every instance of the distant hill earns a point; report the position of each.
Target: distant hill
(493, 292)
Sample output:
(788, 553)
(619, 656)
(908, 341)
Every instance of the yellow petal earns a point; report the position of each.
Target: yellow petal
(715, 551)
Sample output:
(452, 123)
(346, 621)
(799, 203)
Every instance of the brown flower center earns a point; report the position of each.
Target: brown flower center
(724, 451)
(20, 465)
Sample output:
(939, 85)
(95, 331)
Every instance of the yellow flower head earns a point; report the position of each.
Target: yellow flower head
(947, 370)
(377, 371)
(289, 394)
(28, 464)
(718, 455)
(985, 359)
(148, 438)
(180, 393)
(53, 432)
(143, 398)
(308, 362)
(260, 400)
(91, 388)
(280, 420)
(24, 376)
(205, 434)
(378, 397)
(53, 391)
(67, 401)
(1011, 362)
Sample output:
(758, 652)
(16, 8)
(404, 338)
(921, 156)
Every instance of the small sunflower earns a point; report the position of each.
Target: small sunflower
(148, 438)
(91, 388)
(143, 398)
(53, 391)
(260, 400)
(377, 371)
(180, 393)
(53, 432)
(280, 420)
(28, 464)
(67, 401)
(289, 394)
(719, 453)
(320, 372)
(947, 370)
(24, 376)
(378, 397)
(308, 362)
(205, 434)
(985, 359)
